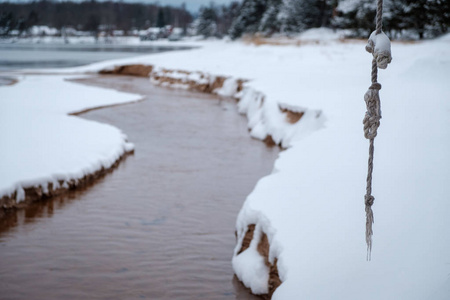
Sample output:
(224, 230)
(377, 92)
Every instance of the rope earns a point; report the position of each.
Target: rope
(379, 46)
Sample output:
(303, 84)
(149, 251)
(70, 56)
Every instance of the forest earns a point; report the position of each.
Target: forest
(90, 15)
(403, 19)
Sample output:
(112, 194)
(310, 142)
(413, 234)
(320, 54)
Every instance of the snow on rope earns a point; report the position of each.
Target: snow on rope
(380, 47)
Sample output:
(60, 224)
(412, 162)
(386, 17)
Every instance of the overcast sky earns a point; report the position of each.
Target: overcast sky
(192, 5)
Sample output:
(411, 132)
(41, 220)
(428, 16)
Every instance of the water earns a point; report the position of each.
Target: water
(32, 56)
(161, 226)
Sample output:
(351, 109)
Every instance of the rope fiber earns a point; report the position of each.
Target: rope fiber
(381, 58)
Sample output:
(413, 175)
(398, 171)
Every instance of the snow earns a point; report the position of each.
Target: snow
(250, 266)
(229, 88)
(86, 38)
(381, 42)
(312, 205)
(320, 34)
(43, 30)
(42, 144)
(380, 46)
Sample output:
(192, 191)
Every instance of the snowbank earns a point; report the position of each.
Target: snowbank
(47, 149)
(311, 207)
(43, 30)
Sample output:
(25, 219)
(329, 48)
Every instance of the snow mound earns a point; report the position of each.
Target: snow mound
(45, 145)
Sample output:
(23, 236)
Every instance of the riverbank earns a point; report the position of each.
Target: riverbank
(161, 226)
(48, 151)
(311, 208)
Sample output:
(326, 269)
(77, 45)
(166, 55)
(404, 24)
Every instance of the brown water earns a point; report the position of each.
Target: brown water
(161, 226)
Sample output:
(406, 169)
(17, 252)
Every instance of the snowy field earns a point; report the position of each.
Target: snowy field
(43, 144)
(312, 206)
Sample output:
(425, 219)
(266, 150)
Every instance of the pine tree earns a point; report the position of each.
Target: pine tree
(326, 8)
(226, 15)
(395, 18)
(356, 15)
(439, 12)
(160, 21)
(8, 22)
(299, 15)
(249, 18)
(423, 18)
(428, 17)
(206, 23)
(401, 18)
(269, 21)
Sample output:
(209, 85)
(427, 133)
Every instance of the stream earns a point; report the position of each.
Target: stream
(161, 225)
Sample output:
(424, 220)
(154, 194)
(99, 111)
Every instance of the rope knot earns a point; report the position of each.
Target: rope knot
(372, 118)
(380, 47)
(368, 200)
(375, 86)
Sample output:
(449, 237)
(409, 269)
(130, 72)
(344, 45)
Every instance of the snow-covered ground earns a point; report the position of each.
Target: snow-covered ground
(311, 207)
(42, 144)
(100, 41)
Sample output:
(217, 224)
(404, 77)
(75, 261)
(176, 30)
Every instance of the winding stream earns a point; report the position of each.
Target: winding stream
(161, 226)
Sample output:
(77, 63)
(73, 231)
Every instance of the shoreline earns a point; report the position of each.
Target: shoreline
(78, 157)
(211, 84)
(34, 194)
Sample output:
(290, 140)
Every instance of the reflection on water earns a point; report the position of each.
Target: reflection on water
(161, 226)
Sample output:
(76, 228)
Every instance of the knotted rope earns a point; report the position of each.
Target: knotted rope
(380, 47)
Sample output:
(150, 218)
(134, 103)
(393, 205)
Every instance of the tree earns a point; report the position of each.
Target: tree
(269, 21)
(440, 15)
(299, 15)
(359, 16)
(7, 23)
(249, 18)
(326, 8)
(226, 15)
(109, 14)
(401, 18)
(160, 21)
(206, 23)
(428, 17)
(92, 24)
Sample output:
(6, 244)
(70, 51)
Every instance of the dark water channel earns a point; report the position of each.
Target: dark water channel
(161, 226)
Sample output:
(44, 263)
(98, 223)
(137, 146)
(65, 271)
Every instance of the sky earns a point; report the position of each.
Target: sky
(191, 5)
